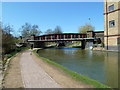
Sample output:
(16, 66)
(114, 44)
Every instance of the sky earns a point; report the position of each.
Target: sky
(0, 11)
(69, 15)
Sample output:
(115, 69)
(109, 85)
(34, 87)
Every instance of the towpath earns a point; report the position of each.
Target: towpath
(33, 75)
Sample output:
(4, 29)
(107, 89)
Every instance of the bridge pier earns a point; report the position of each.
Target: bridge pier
(83, 43)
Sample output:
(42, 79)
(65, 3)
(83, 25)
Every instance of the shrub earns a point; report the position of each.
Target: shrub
(8, 55)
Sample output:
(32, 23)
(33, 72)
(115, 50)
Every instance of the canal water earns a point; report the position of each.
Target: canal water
(98, 65)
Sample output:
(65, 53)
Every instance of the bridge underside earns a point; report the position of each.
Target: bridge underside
(41, 43)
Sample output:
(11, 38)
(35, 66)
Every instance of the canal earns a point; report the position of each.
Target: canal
(98, 65)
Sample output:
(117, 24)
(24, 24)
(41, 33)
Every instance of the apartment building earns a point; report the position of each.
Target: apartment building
(112, 25)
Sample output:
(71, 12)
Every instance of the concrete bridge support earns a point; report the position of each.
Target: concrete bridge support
(83, 43)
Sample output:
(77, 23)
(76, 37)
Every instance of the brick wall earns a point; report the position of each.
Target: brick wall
(111, 39)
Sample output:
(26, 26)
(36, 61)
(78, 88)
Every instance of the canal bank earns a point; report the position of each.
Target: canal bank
(76, 77)
(103, 49)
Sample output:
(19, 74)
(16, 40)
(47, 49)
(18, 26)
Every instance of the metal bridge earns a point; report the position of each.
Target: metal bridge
(60, 37)
(38, 41)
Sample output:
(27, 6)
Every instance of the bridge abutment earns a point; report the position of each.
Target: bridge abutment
(38, 44)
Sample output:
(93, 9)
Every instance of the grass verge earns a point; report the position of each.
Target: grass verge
(73, 74)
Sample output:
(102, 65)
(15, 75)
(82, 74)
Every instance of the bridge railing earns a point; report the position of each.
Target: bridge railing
(62, 36)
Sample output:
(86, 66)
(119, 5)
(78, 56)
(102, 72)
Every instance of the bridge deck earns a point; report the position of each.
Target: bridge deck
(53, 40)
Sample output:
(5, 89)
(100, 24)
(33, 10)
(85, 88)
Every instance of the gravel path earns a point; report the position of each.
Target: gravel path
(33, 75)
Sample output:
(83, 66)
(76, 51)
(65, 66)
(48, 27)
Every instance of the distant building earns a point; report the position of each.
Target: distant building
(112, 25)
(98, 35)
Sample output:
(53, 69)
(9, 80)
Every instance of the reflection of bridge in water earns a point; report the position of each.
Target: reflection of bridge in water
(38, 41)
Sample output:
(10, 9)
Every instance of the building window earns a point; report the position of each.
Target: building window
(112, 23)
(111, 8)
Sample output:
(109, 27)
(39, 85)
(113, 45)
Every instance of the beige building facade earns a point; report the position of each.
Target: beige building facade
(112, 25)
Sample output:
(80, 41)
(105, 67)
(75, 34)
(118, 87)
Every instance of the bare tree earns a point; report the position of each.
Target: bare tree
(0, 37)
(49, 31)
(8, 40)
(8, 29)
(27, 30)
(58, 30)
(86, 27)
(35, 30)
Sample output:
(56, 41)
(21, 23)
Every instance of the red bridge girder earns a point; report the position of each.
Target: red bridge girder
(60, 36)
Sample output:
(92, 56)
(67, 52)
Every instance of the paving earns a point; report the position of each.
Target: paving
(33, 75)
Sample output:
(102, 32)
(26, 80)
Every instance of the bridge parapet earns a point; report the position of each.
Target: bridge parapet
(59, 36)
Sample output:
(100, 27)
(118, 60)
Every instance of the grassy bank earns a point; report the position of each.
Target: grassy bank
(15, 51)
(73, 74)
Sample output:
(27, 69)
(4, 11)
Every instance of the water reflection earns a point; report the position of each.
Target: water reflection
(111, 68)
(101, 66)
